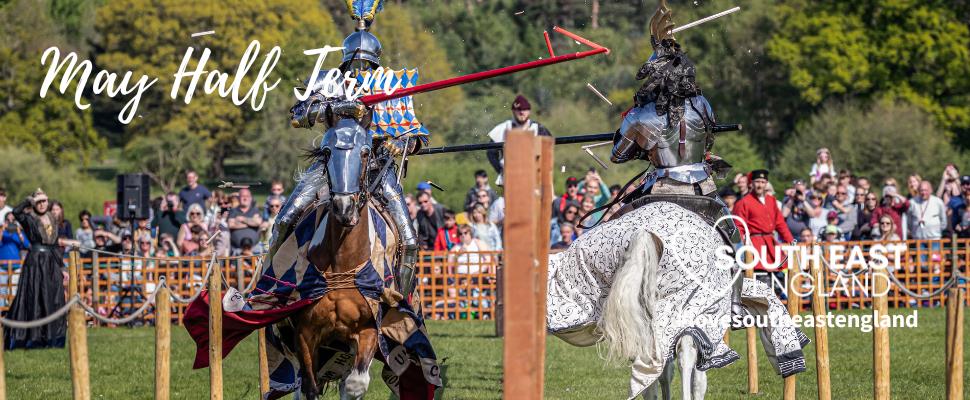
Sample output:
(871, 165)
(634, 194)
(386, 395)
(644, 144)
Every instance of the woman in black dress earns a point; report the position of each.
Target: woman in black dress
(41, 288)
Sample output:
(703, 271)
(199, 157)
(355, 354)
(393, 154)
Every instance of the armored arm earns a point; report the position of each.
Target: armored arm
(626, 144)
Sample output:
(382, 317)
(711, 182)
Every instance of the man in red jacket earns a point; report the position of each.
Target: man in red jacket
(760, 212)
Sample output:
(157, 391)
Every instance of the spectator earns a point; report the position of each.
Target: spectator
(447, 235)
(859, 200)
(863, 229)
(430, 219)
(167, 247)
(741, 181)
(567, 231)
(845, 211)
(912, 184)
(469, 259)
(615, 191)
(4, 208)
(888, 228)
(863, 183)
(893, 205)
(806, 236)
(570, 216)
(425, 187)
(485, 230)
(273, 207)
(729, 197)
(64, 228)
(594, 186)
(817, 215)
(193, 192)
(244, 221)
(586, 207)
(412, 210)
(845, 179)
(107, 241)
(202, 246)
(949, 184)
(14, 241)
(275, 193)
(927, 214)
(170, 215)
(496, 213)
(143, 227)
(794, 210)
(823, 165)
(521, 109)
(475, 192)
(570, 196)
(85, 232)
(484, 199)
(959, 217)
(145, 248)
(832, 234)
(185, 240)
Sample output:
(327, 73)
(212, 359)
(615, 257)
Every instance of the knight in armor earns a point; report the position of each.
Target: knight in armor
(671, 127)
(361, 54)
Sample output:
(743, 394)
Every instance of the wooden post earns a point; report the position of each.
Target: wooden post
(752, 334)
(3, 371)
(263, 363)
(880, 334)
(163, 342)
(821, 335)
(95, 283)
(499, 300)
(77, 336)
(542, 239)
(794, 306)
(215, 332)
(520, 278)
(954, 344)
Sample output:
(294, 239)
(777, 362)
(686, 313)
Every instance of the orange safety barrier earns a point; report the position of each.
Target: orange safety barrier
(463, 286)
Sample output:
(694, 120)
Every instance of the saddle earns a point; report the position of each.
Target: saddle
(710, 209)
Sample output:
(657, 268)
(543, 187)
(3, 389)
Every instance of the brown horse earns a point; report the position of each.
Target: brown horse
(342, 244)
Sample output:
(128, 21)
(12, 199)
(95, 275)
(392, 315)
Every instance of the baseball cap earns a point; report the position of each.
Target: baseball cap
(831, 229)
(965, 180)
(424, 186)
(572, 181)
(833, 214)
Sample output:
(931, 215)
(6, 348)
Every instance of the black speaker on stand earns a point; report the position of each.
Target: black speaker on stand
(133, 204)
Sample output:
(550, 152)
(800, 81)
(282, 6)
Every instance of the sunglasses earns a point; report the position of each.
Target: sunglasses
(571, 212)
(195, 213)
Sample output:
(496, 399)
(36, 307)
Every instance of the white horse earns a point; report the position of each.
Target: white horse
(650, 288)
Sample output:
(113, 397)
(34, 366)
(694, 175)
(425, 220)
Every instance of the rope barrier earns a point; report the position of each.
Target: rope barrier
(43, 321)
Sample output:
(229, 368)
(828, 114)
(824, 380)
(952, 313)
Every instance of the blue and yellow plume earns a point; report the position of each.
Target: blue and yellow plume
(364, 10)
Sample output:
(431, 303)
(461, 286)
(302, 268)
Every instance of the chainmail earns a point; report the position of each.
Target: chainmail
(669, 80)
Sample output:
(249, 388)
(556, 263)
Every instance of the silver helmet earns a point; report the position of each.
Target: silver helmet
(362, 45)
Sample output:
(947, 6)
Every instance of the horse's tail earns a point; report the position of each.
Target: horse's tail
(626, 322)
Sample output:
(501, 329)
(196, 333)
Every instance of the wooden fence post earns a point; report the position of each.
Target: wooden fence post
(880, 334)
(821, 333)
(752, 334)
(163, 342)
(794, 306)
(954, 343)
(542, 239)
(263, 362)
(522, 362)
(77, 336)
(3, 371)
(215, 332)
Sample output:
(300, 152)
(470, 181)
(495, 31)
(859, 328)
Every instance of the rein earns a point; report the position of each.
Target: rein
(619, 199)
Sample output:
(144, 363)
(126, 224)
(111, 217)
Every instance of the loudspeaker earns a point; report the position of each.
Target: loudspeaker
(133, 202)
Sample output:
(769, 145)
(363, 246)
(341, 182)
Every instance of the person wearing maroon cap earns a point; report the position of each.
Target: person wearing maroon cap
(762, 218)
(521, 109)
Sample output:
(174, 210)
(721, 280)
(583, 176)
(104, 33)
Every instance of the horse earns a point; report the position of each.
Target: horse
(652, 288)
(341, 245)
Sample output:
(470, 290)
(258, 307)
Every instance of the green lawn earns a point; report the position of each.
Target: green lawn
(471, 360)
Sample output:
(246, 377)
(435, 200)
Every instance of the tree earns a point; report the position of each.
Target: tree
(51, 126)
(888, 139)
(917, 51)
(151, 36)
(165, 157)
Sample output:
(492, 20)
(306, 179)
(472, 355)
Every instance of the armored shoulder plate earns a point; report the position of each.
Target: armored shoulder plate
(666, 140)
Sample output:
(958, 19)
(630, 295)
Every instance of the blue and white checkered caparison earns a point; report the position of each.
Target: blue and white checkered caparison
(394, 118)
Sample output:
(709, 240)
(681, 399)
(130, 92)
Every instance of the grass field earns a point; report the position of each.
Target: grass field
(122, 366)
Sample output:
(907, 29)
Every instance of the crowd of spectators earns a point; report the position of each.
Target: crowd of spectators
(831, 205)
